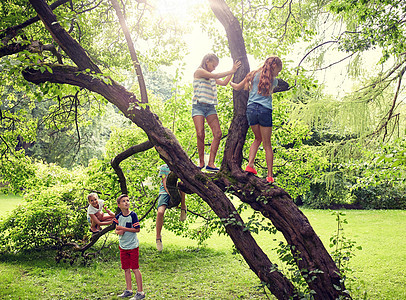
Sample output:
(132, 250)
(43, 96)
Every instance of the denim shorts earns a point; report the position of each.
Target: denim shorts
(163, 199)
(258, 114)
(202, 109)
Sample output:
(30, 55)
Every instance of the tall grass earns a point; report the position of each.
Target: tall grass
(183, 271)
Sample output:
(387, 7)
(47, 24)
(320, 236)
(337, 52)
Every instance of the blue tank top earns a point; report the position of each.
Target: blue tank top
(254, 97)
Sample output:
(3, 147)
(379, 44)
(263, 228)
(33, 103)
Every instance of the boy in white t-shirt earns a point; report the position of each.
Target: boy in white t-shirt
(95, 214)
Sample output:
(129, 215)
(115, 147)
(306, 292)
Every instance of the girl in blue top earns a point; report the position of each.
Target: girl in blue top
(203, 106)
(261, 83)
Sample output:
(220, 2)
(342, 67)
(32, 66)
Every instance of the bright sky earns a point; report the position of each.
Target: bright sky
(198, 42)
(336, 79)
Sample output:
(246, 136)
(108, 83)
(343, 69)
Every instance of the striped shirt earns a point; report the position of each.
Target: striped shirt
(205, 91)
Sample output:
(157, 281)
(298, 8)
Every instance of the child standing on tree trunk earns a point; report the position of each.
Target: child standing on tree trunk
(260, 84)
(127, 228)
(204, 102)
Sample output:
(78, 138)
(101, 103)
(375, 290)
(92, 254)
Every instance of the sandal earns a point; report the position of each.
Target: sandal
(210, 169)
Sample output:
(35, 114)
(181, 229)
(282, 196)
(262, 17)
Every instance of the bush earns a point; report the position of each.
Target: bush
(382, 196)
(47, 219)
(329, 191)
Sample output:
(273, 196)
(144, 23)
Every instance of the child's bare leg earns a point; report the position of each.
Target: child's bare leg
(106, 217)
(160, 220)
(138, 278)
(94, 226)
(127, 273)
(182, 200)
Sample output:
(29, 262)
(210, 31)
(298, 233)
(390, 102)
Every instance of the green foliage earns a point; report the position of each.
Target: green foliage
(55, 123)
(371, 24)
(288, 256)
(366, 180)
(269, 27)
(16, 172)
(48, 218)
(343, 249)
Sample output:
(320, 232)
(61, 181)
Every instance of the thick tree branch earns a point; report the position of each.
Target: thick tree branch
(67, 43)
(115, 162)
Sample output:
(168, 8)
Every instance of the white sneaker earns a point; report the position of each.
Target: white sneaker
(159, 245)
(183, 214)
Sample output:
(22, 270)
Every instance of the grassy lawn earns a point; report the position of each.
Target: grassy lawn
(183, 271)
(7, 203)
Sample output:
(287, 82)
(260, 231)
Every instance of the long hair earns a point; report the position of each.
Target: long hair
(208, 57)
(265, 85)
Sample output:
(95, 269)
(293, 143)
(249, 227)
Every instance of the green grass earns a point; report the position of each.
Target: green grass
(8, 203)
(183, 271)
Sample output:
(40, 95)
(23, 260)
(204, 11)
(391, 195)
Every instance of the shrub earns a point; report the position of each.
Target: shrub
(47, 218)
(383, 196)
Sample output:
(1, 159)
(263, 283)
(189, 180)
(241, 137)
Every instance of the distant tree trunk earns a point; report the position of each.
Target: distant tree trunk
(272, 201)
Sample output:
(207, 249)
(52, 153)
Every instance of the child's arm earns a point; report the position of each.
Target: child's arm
(224, 82)
(121, 229)
(109, 212)
(238, 86)
(202, 73)
(164, 183)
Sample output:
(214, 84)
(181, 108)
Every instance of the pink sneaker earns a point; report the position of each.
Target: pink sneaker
(270, 179)
(250, 170)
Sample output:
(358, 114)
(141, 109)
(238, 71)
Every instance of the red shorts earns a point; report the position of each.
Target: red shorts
(129, 258)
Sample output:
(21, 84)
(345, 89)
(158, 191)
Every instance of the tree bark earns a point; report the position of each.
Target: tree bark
(115, 162)
(277, 206)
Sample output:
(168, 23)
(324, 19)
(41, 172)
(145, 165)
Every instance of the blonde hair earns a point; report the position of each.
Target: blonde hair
(265, 85)
(92, 195)
(208, 57)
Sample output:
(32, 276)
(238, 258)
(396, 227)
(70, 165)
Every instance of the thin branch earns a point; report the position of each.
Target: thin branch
(312, 50)
(385, 122)
(131, 48)
(334, 63)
